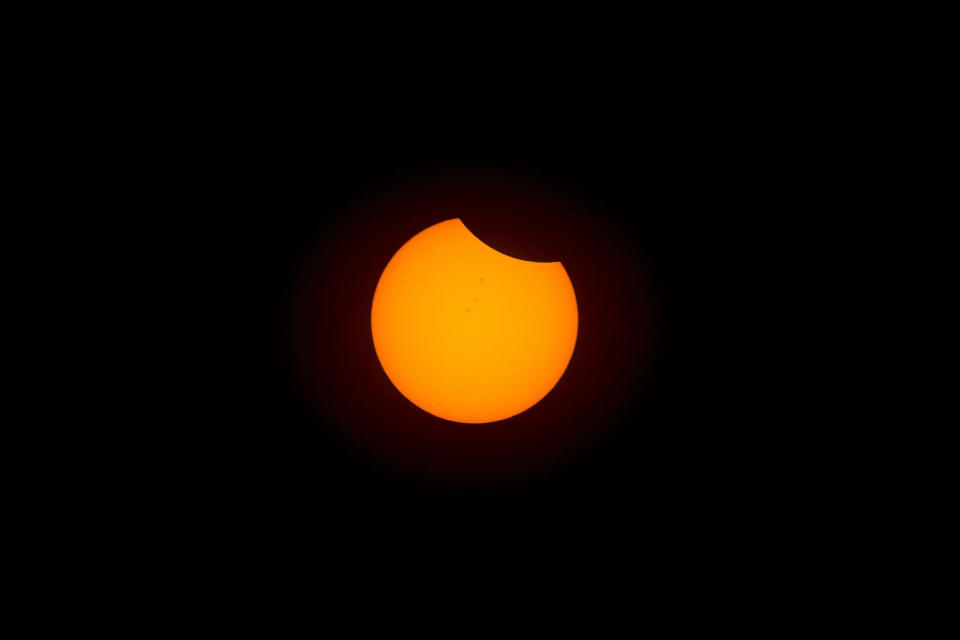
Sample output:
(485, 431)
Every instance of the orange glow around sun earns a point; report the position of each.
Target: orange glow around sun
(467, 333)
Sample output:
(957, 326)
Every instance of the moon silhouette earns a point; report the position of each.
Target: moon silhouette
(467, 333)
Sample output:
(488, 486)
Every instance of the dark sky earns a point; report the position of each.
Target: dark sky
(658, 201)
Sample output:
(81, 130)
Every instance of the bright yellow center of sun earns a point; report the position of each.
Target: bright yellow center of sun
(467, 333)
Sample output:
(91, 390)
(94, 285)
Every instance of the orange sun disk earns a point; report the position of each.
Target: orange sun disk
(467, 333)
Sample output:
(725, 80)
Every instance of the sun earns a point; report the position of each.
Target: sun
(467, 333)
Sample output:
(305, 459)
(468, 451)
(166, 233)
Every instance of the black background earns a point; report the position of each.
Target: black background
(251, 170)
(268, 181)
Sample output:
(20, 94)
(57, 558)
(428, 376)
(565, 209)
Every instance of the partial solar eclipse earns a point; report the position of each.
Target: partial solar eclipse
(467, 333)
